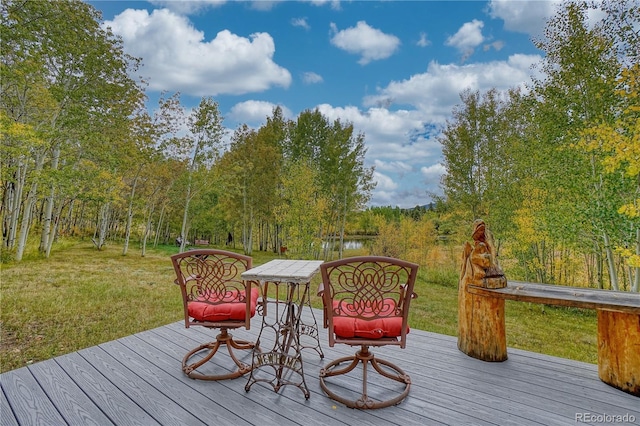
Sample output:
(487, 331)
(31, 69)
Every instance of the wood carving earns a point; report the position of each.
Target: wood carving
(481, 328)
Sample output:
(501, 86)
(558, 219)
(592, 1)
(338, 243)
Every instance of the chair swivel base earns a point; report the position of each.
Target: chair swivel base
(391, 371)
(223, 339)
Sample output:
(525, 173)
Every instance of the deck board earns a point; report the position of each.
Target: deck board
(137, 380)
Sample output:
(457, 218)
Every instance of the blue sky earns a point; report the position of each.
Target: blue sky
(394, 69)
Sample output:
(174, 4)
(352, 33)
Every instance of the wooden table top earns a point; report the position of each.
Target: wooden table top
(284, 270)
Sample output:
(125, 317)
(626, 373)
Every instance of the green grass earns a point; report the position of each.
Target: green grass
(81, 297)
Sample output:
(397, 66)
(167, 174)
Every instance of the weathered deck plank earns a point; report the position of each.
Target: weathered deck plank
(137, 380)
(112, 401)
(28, 401)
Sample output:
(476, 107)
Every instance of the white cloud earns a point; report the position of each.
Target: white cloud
(178, 58)
(435, 92)
(496, 45)
(530, 16)
(468, 37)
(433, 172)
(263, 4)
(335, 4)
(432, 176)
(188, 7)
(370, 43)
(392, 166)
(300, 22)
(311, 78)
(526, 16)
(384, 182)
(252, 112)
(389, 128)
(424, 41)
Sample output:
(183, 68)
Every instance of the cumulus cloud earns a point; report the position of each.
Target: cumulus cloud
(389, 128)
(496, 45)
(384, 182)
(468, 37)
(255, 112)
(368, 42)
(436, 91)
(335, 4)
(392, 166)
(178, 58)
(311, 78)
(264, 4)
(300, 22)
(432, 176)
(433, 172)
(188, 7)
(526, 16)
(423, 41)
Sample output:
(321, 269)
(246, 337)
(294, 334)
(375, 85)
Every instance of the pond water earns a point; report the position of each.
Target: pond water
(349, 244)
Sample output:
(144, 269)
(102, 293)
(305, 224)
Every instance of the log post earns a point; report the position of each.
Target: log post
(619, 350)
(481, 324)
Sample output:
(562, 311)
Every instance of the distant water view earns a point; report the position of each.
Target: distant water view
(350, 244)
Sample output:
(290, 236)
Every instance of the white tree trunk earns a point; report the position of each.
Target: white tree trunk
(160, 220)
(343, 225)
(248, 248)
(635, 286)
(103, 225)
(48, 210)
(26, 221)
(127, 232)
(613, 276)
(147, 229)
(69, 221)
(14, 203)
(184, 230)
(28, 208)
(54, 230)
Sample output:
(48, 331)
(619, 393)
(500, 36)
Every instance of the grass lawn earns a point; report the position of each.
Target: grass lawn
(81, 297)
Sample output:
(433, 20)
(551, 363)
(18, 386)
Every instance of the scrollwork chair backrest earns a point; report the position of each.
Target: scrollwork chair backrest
(212, 277)
(372, 292)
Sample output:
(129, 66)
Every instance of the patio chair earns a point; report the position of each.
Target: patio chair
(214, 296)
(366, 303)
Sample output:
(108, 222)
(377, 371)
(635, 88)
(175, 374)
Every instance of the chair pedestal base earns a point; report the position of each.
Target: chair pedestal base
(223, 339)
(382, 367)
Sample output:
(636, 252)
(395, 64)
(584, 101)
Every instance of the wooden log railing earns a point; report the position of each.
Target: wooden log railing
(618, 316)
(483, 289)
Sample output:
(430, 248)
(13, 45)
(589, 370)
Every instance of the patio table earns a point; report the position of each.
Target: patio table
(282, 365)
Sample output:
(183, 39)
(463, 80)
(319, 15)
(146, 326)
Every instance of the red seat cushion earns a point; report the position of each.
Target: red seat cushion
(203, 311)
(347, 325)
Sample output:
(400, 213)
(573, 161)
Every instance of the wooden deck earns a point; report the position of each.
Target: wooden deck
(137, 380)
